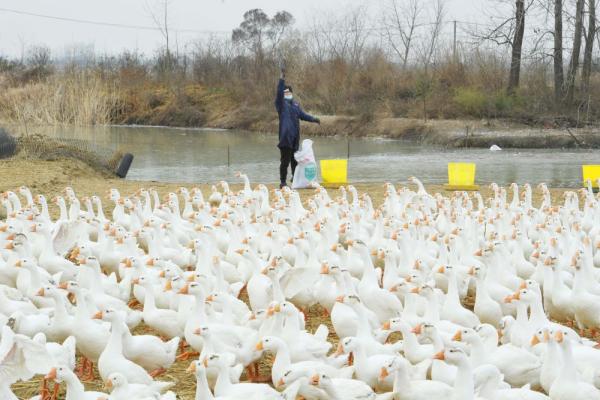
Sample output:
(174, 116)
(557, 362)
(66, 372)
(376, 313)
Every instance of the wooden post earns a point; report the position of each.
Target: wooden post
(348, 148)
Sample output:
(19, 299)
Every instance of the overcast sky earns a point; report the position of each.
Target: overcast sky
(204, 15)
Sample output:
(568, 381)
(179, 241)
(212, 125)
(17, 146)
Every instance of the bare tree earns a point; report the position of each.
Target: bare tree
(589, 48)
(346, 36)
(509, 31)
(430, 44)
(574, 64)
(160, 15)
(558, 51)
(517, 47)
(399, 22)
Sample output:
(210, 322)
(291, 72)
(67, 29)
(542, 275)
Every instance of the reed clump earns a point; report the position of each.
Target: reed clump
(77, 98)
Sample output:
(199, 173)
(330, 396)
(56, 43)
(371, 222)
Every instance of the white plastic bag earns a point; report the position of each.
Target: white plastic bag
(305, 175)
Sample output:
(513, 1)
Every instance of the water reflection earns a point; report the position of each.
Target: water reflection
(190, 155)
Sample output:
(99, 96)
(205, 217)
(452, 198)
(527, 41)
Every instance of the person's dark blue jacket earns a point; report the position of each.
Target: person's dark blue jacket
(290, 114)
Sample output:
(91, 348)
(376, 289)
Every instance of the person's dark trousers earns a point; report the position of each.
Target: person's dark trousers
(287, 157)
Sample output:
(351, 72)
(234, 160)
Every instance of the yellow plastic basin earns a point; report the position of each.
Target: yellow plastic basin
(590, 172)
(334, 172)
(461, 176)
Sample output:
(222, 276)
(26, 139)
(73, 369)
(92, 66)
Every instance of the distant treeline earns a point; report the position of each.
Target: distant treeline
(404, 60)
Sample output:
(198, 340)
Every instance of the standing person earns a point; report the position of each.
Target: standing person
(290, 114)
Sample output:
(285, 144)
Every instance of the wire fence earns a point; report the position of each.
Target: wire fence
(41, 147)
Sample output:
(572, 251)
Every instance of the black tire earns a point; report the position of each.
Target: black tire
(124, 165)
(8, 144)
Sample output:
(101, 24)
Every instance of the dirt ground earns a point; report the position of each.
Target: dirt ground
(51, 177)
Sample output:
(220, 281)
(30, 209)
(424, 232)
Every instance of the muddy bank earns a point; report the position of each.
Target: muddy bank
(451, 133)
(51, 177)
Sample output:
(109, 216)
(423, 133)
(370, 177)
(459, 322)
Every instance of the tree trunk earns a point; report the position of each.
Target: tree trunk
(589, 48)
(517, 46)
(558, 50)
(574, 64)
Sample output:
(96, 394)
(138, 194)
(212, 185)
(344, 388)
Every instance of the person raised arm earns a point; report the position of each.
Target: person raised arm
(280, 90)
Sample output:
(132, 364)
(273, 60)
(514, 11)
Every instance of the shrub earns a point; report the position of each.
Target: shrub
(471, 101)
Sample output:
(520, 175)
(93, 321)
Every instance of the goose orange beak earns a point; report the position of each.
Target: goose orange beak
(98, 315)
(185, 289)
(63, 285)
(534, 340)
(439, 356)
(417, 329)
(340, 350)
(259, 346)
(523, 285)
(314, 380)
(280, 383)
(383, 373)
(457, 336)
(51, 374)
(386, 325)
(559, 336)
(40, 292)
(192, 368)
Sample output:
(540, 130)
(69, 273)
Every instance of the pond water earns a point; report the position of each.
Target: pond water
(199, 155)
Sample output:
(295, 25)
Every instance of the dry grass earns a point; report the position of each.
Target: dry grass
(50, 177)
(80, 98)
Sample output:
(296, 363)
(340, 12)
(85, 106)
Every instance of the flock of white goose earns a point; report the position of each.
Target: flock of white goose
(68, 285)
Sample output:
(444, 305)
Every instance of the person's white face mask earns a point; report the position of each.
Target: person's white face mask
(288, 96)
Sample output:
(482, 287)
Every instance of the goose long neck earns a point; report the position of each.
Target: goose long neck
(537, 314)
(149, 300)
(81, 312)
(202, 390)
(360, 356)
(522, 313)
(452, 289)
(282, 357)
(464, 386)
(401, 381)
(75, 389)
(568, 372)
(115, 342)
(64, 215)
(478, 351)
(60, 309)
(223, 384)
(278, 295)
